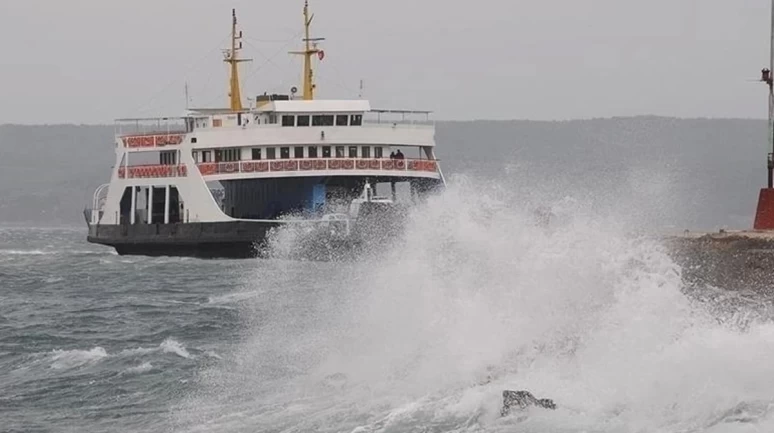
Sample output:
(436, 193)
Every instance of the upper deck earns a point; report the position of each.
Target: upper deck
(282, 122)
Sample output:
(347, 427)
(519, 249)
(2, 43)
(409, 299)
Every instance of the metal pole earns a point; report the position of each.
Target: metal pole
(150, 205)
(166, 205)
(134, 205)
(770, 159)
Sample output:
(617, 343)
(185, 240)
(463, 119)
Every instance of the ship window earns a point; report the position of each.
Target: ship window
(288, 120)
(168, 157)
(378, 152)
(272, 119)
(339, 151)
(227, 155)
(353, 151)
(257, 153)
(303, 120)
(357, 120)
(271, 153)
(341, 120)
(193, 139)
(365, 152)
(312, 151)
(206, 156)
(326, 151)
(322, 120)
(298, 152)
(284, 152)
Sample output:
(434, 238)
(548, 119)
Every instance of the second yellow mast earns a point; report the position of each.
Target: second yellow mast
(310, 50)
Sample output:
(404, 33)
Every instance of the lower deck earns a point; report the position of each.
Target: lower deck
(236, 239)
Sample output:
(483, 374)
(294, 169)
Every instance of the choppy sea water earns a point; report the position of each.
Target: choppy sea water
(473, 299)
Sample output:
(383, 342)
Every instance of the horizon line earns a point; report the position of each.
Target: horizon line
(577, 119)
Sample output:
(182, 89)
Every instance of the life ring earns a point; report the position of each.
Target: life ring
(400, 164)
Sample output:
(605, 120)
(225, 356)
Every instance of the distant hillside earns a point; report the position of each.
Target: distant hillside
(713, 167)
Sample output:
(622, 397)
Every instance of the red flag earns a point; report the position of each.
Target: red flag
(321, 54)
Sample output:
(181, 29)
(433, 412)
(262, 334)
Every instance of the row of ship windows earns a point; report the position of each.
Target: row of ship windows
(234, 154)
(322, 120)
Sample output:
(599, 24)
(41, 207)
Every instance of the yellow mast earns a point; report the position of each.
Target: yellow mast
(310, 50)
(232, 58)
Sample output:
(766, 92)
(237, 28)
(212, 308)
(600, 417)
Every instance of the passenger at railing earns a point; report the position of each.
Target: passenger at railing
(399, 155)
(392, 155)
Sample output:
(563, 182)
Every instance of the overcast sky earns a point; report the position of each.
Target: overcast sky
(89, 61)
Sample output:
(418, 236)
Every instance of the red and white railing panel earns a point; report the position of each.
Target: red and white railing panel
(152, 171)
(152, 140)
(334, 164)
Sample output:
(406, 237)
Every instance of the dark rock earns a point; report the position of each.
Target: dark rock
(523, 400)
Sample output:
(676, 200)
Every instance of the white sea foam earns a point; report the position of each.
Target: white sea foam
(142, 368)
(65, 359)
(173, 346)
(13, 252)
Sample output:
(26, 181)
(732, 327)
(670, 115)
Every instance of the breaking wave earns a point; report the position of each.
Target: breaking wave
(69, 359)
(474, 298)
(65, 359)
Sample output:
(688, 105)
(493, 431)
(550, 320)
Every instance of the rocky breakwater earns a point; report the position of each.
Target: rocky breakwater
(738, 260)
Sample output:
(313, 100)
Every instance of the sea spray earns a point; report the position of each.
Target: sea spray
(474, 297)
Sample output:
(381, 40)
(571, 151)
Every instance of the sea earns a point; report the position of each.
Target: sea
(424, 335)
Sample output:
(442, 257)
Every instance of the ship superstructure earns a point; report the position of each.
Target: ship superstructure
(213, 182)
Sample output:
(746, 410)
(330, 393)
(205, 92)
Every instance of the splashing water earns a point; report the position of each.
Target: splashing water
(475, 298)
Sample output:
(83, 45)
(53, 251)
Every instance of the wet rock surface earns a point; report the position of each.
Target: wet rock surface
(736, 262)
(522, 400)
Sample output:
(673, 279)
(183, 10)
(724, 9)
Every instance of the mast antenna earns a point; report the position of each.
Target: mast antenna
(232, 58)
(187, 98)
(310, 49)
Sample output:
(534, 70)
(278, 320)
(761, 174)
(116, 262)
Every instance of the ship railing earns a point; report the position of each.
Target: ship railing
(319, 164)
(152, 131)
(152, 171)
(398, 117)
(94, 214)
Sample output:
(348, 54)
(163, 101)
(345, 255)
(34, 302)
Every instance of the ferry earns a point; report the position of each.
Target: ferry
(216, 182)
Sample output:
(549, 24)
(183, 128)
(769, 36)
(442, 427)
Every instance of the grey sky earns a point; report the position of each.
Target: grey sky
(88, 61)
